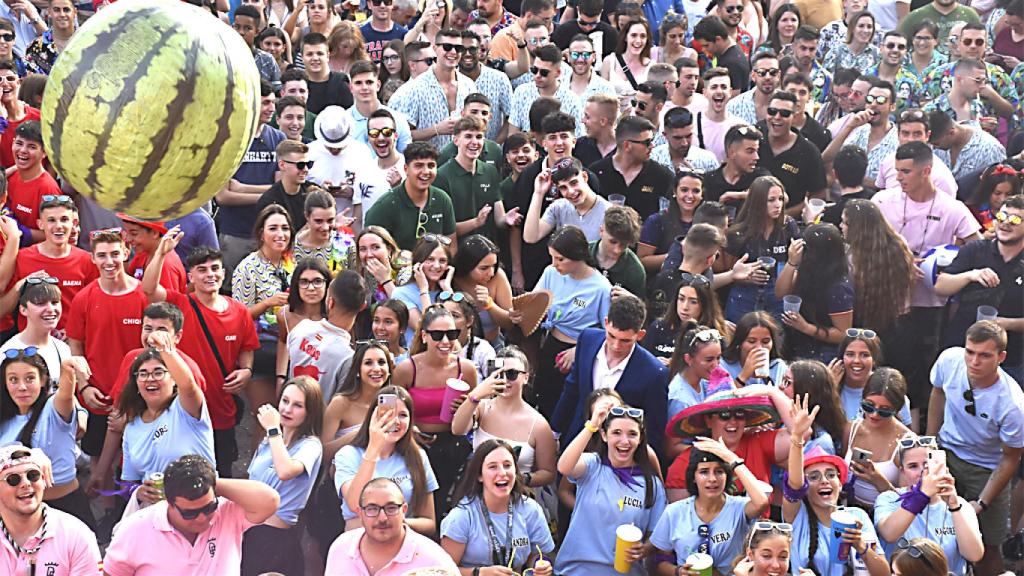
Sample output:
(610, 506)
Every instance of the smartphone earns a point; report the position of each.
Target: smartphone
(388, 401)
(936, 459)
(495, 364)
(861, 455)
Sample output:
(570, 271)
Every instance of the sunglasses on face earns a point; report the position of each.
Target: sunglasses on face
(544, 72)
(7, 37)
(451, 296)
(1006, 218)
(192, 514)
(429, 60)
(457, 48)
(639, 104)
(510, 374)
(779, 112)
(870, 408)
(587, 23)
(765, 72)
(301, 165)
(378, 132)
(14, 480)
(740, 414)
(439, 335)
(580, 55)
(876, 99)
(973, 41)
(860, 333)
(373, 510)
(732, 9)
(895, 46)
(381, 2)
(646, 143)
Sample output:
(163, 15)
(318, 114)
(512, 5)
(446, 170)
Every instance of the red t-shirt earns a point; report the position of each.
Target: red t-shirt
(233, 331)
(757, 451)
(75, 271)
(24, 198)
(126, 365)
(110, 327)
(7, 138)
(172, 275)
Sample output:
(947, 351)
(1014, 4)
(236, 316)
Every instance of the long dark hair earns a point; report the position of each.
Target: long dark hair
(812, 378)
(8, 409)
(774, 41)
(352, 383)
(471, 487)
(823, 265)
(991, 178)
(883, 266)
(686, 344)
(382, 72)
(468, 308)
(710, 310)
(698, 457)
(670, 222)
(407, 446)
(874, 346)
(748, 322)
(753, 219)
(294, 297)
(640, 456)
(131, 403)
(473, 249)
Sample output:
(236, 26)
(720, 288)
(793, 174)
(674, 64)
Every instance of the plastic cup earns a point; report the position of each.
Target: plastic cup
(816, 206)
(702, 563)
(617, 199)
(987, 313)
(768, 263)
(452, 390)
(791, 303)
(663, 203)
(838, 550)
(625, 536)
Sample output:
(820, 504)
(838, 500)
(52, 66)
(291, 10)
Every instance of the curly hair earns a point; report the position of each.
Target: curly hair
(883, 266)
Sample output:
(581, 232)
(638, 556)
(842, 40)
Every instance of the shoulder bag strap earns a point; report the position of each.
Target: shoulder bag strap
(209, 337)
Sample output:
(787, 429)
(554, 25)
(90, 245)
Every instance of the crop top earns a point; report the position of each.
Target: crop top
(427, 401)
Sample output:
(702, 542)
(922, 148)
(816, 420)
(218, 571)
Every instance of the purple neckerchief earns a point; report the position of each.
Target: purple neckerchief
(124, 489)
(625, 475)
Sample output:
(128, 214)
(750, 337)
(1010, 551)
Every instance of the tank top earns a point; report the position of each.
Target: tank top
(427, 401)
(863, 491)
(527, 455)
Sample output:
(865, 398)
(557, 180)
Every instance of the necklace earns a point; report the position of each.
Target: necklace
(927, 222)
(23, 550)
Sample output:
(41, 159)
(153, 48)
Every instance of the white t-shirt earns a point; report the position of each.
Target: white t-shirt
(53, 353)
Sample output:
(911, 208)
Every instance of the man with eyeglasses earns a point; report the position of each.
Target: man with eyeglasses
(977, 411)
(384, 545)
(365, 86)
(870, 129)
(29, 181)
(890, 69)
(547, 73)
(380, 29)
(197, 529)
(584, 81)
(678, 151)
(964, 148)
(588, 21)
(989, 272)
(945, 14)
(491, 83)
(913, 126)
(631, 172)
(751, 105)
(789, 156)
(998, 95)
(846, 95)
(290, 190)
(37, 534)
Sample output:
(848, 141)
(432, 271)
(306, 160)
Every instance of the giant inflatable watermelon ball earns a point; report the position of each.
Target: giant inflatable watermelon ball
(151, 107)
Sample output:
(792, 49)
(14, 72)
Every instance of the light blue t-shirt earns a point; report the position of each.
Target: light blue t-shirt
(346, 464)
(410, 295)
(150, 447)
(776, 371)
(681, 395)
(295, 492)
(465, 524)
(562, 213)
(679, 527)
(801, 541)
(934, 523)
(851, 397)
(575, 304)
(604, 503)
(53, 435)
(999, 413)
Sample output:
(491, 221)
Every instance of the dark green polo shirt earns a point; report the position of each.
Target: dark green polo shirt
(471, 192)
(491, 154)
(395, 212)
(307, 128)
(628, 272)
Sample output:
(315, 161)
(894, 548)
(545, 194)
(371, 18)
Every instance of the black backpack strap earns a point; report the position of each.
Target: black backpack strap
(209, 337)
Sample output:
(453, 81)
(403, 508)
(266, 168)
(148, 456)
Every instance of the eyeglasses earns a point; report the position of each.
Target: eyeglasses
(307, 283)
(437, 239)
(860, 333)
(378, 132)
(876, 99)
(451, 296)
(708, 335)
(970, 407)
(646, 143)
(870, 408)
(373, 510)
(194, 513)
(973, 41)
(914, 551)
(920, 441)
(816, 476)
(1003, 217)
(27, 352)
(620, 411)
(439, 335)
(457, 48)
(895, 46)
(381, 2)
(429, 60)
(391, 58)
(694, 280)
(765, 72)
(765, 526)
(580, 55)
(544, 72)
(510, 374)
(156, 374)
(772, 111)
(639, 105)
(8, 37)
(301, 165)
(14, 480)
(740, 414)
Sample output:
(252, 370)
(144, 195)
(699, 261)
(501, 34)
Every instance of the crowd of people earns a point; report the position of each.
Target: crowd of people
(541, 288)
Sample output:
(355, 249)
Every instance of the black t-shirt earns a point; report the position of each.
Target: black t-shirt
(1007, 297)
(587, 152)
(653, 182)
(660, 340)
(776, 245)
(715, 184)
(334, 92)
(562, 36)
(295, 204)
(664, 289)
(736, 62)
(816, 133)
(799, 168)
(834, 214)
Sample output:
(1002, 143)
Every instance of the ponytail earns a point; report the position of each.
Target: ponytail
(812, 544)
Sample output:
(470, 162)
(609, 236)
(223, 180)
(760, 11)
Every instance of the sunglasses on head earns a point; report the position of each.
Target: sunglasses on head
(740, 414)
(27, 352)
(301, 165)
(695, 280)
(772, 111)
(914, 551)
(876, 99)
(912, 116)
(371, 342)
(377, 132)
(860, 333)
(920, 441)
(1004, 217)
(580, 55)
(544, 72)
(436, 238)
(764, 72)
(438, 335)
(869, 408)
(451, 296)
(36, 280)
(14, 480)
(706, 336)
(765, 526)
(634, 413)
(192, 514)
(59, 198)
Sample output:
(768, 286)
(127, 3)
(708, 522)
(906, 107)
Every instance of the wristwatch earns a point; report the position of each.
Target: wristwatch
(273, 432)
(739, 462)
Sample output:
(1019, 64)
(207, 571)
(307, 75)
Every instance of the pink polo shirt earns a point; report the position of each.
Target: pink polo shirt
(147, 545)
(417, 551)
(69, 549)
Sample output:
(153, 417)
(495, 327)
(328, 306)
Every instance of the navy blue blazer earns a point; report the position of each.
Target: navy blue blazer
(644, 384)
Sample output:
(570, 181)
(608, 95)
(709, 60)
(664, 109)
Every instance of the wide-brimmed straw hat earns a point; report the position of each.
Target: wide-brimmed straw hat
(691, 422)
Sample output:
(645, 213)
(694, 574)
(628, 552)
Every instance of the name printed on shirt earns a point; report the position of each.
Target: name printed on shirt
(632, 502)
(579, 302)
(260, 156)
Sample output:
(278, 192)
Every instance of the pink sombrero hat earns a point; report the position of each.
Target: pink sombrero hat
(817, 455)
(690, 422)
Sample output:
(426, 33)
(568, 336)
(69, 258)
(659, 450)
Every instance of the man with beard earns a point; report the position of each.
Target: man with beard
(471, 183)
(38, 534)
(731, 13)
(729, 183)
(805, 46)
(988, 272)
(492, 12)
(686, 94)
(678, 152)
(380, 129)
(945, 14)
(380, 29)
(966, 149)
(508, 41)
(870, 129)
(384, 542)
(713, 123)
(789, 156)
(890, 69)
(751, 105)
(631, 172)
(547, 75)
(962, 99)
(365, 86)
(648, 103)
(839, 102)
(714, 36)
(490, 82)
(588, 20)
(585, 82)
(800, 86)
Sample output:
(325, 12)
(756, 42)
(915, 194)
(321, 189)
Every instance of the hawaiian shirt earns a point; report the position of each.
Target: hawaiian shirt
(496, 86)
(424, 104)
(699, 159)
(1017, 76)
(834, 34)
(981, 151)
(822, 81)
(942, 103)
(41, 54)
(938, 59)
(843, 57)
(940, 81)
(908, 88)
(861, 135)
(743, 107)
(506, 20)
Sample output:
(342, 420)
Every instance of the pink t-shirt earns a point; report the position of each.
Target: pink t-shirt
(713, 134)
(146, 544)
(925, 225)
(417, 551)
(942, 178)
(69, 548)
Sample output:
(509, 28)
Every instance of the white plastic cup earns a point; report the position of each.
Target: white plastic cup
(617, 199)
(791, 303)
(987, 313)
(816, 206)
(702, 563)
(452, 390)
